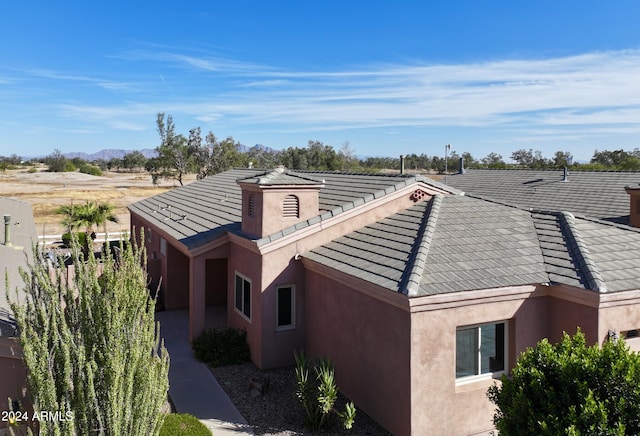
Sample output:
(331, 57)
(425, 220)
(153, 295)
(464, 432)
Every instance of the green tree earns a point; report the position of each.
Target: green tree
(493, 160)
(56, 161)
(213, 156)
(92, 347)
(134, 160)
(173, 151)
(570, 388)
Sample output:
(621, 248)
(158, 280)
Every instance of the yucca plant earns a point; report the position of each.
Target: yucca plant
(319, 396)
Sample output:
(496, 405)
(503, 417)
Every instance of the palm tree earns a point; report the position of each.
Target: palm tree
(87, 215)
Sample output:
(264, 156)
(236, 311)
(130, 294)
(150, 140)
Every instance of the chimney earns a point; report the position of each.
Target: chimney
(634, 205)
(7, 230)
(401, 164)
(461, 170)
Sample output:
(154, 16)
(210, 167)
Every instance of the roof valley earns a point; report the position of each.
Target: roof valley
(580, 253)
(420, 252)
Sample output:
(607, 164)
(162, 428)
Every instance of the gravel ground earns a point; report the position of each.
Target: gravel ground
(277, 412)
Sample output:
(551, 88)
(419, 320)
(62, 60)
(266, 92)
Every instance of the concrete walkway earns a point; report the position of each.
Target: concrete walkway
(192, 387)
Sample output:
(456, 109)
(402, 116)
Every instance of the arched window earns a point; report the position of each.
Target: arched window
(291, 207)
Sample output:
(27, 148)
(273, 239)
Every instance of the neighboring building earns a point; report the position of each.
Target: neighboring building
(596, 194)
(419, 294)
(17, 236)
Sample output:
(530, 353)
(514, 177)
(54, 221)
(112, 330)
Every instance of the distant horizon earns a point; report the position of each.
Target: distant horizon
(507, 158)
(405, 76)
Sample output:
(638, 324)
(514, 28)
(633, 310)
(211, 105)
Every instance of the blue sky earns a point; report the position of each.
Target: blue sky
(388, 77)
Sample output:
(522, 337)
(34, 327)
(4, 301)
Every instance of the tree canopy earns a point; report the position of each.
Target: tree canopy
(570, 388)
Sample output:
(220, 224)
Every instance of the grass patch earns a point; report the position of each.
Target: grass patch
(183, 424)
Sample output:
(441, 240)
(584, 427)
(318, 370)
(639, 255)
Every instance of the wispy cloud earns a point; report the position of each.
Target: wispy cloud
(595, 92)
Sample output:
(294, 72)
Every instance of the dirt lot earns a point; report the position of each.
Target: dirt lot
(47, 191)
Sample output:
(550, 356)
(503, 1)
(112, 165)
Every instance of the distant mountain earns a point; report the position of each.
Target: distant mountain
(112, 153)
(109, 154)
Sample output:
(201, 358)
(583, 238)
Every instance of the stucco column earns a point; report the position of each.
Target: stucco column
(197, 288)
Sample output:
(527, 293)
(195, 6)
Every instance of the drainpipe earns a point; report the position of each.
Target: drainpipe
(7, 230)
(401, 164)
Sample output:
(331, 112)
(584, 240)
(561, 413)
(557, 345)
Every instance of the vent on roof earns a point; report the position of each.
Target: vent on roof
(252, 205)
(291, 207)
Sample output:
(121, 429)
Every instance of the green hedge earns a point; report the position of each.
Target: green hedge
(222, 347)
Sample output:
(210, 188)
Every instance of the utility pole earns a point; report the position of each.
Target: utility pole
(446, 158)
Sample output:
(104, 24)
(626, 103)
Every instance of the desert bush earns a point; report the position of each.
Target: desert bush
(183, 424)
(318, 396)
(90, 169)
(222, 347)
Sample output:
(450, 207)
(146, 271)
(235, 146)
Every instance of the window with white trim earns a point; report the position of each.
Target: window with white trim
(243, 296)
(481, 349)
(285, 307)
(291, 207)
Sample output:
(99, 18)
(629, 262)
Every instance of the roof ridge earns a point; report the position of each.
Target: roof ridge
(548, 170)
(421, 248)
(579, 251)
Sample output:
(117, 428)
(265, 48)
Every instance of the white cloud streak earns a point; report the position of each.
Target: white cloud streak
(595, 91)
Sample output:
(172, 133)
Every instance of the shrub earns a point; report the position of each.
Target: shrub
(570, 388)
(318, 397)
(183, 424)
(32, 170)
(67, 238)
(69, 167)
(222, 347)
(90, 169)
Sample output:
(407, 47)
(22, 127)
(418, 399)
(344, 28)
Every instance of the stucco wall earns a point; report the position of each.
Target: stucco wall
(13, 376)
(280, 268)
(369, 343)
(248, 264)
(462, 407)
(567, 316)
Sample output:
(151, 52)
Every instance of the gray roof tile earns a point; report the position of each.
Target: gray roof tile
(202, 211)
(598, 194)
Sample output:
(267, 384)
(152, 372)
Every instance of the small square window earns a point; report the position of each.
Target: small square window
(481, 350)
(285, 308)
(243, 296)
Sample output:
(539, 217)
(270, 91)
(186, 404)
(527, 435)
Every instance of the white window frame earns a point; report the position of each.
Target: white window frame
(293, 307)
(487, 375)
(240, 311)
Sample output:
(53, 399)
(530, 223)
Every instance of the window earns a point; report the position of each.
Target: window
(481, 350)
(163, 246)
(291, 207)
(285, 307)
(251, 207)
(243, 296)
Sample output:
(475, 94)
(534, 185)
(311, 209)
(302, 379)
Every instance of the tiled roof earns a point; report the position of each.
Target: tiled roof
(597, 194)
(456, 243)
(280, 176)
(23, 235)
(200, 212)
